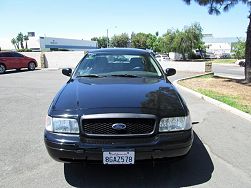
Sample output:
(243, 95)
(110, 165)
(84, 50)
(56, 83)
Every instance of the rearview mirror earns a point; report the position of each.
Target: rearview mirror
(170, 71)
(67, 71)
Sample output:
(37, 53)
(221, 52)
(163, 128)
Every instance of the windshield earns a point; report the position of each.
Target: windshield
(116, 65)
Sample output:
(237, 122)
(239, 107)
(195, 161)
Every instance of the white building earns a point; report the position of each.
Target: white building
(52, 43)
(219, 46)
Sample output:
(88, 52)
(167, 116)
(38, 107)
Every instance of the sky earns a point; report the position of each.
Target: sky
(84, 19)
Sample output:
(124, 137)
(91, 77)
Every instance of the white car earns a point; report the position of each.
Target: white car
(162, 58)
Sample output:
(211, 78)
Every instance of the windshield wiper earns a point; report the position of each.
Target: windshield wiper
(90, 75)
(125, 75)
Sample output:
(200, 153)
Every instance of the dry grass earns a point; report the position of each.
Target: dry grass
(233, 92)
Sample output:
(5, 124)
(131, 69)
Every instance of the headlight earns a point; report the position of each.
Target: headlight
(61, 125)
(175, 124)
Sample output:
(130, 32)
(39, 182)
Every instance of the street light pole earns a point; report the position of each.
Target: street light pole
(107, 37)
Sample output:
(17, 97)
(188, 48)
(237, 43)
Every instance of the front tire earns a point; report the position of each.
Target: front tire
(31, 66)
(2, 69)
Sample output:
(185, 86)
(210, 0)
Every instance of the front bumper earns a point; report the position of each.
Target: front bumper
(70, 148)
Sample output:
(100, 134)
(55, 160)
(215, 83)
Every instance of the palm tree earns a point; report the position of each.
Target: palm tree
(215, 7)
(20, 39)
(26, 38)
(14, 42)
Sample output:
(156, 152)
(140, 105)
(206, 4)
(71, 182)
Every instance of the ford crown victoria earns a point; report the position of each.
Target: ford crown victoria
(118, 107)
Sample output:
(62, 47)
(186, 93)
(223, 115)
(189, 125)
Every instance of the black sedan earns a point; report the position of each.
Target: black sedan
(118, 107)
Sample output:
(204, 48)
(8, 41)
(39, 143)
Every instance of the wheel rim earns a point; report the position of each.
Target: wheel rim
(32, 66)
(2, 69)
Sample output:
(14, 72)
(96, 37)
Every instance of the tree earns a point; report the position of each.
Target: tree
(215, 7)
(194, 35)
(26, 38)
(143, 40)
(157, 45)
(139, 41)
(20, 40)
(239, 49)
(121, 40)
(151, 39)
(132, 35)
(183, 42)
(94, 38)
(14, 42)
(166, 44)
(102, 41)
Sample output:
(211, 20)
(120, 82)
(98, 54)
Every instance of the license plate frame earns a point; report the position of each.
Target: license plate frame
(119, 157)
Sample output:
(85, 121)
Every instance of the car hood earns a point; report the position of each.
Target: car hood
(112, 94)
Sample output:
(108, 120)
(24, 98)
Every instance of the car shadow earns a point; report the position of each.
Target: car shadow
(19, 71)
(196, 168)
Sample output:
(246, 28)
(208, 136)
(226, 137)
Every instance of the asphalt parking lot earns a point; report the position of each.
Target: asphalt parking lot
(220, 156)
(231, 70)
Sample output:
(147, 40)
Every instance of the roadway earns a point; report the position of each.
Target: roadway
(230, 70)
(220, 156)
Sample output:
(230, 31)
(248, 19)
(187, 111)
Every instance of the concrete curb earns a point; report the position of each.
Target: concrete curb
(56, 68)
(212, 101)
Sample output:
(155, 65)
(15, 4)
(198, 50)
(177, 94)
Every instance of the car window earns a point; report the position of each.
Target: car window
(14, 54)
(5, 54)
(110, 64)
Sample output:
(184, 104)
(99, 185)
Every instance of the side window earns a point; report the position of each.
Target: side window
(6, 54)
(13, 54)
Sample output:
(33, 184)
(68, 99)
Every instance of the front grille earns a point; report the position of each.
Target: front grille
(118, 141)
(103, 127)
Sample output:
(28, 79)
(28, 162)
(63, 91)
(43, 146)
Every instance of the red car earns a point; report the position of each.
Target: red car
(14, 60)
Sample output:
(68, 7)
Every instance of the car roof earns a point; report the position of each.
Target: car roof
(133, 51)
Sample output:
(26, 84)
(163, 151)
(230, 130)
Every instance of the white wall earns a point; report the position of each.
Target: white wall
(63, 59)
(71, 59)
(35, 55)
(185, 66)
(52, 42)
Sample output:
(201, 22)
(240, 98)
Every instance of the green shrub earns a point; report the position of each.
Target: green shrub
(24, 50)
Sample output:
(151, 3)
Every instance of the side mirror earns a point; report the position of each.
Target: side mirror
(67, 72)
(170, 71)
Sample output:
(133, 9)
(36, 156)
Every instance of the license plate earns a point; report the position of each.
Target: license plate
(118, 157)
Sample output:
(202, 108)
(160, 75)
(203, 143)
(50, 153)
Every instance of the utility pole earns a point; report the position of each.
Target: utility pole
(107, 44)
(107, 36)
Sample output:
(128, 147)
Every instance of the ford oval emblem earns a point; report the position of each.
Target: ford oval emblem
(119, 126)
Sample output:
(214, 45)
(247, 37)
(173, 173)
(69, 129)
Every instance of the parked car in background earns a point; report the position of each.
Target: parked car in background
(14, 60)
(118, 112)
(200, 54)
(210, 55)
(225, 56)
(162, 58)
(241, 62)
